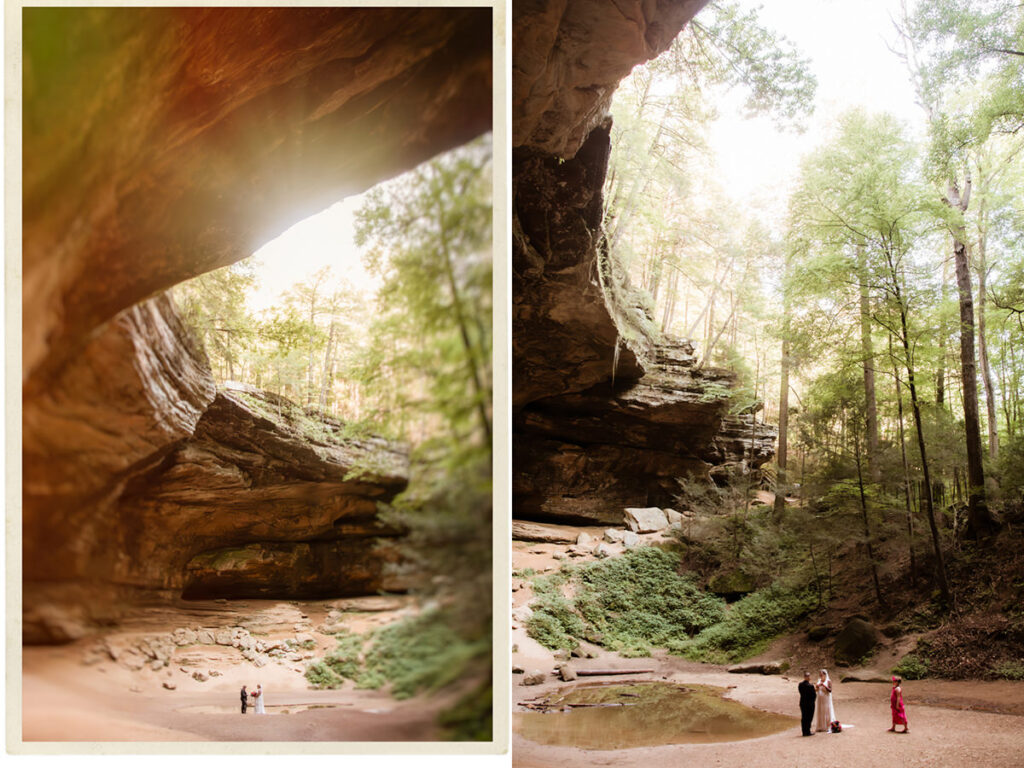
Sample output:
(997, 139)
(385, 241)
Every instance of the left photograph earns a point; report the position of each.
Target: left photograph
(256, 371)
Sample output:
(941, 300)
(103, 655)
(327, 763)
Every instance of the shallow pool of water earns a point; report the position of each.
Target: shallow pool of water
(603, 716)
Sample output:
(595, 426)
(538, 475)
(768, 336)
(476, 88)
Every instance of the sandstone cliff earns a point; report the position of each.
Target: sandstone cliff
(160, 143)
(607, 415)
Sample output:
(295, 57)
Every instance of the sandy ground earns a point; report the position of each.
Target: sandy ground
(66, 699)
(968, 723)
(963, 723)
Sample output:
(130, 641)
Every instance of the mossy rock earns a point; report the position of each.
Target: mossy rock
(818, 633)
(735, 583)
(857, 641)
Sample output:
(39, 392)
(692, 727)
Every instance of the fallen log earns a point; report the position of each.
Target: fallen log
(602, 672)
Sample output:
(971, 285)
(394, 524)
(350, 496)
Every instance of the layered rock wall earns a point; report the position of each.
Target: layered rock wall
(605, 416)
(158, 144)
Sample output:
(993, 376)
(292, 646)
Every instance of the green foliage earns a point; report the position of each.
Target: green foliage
(749, 625)
(640, 598)
(635, 602)
(471, 718)
(321, 676)
(423, 653)
(1009, 670)
(912, 667)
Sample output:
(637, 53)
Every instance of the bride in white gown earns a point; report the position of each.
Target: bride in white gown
(822, 707)
(259, 700)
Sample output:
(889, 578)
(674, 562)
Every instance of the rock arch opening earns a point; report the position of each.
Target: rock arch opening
(160, 144)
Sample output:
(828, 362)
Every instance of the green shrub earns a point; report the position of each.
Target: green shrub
(320, 676)
(749, 626)
(1009, 670)
(420, 653)
(345, 660)
(912, 667)
(471, 719)
(640, 600)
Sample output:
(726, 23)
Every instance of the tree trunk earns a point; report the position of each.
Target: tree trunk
(940, 375)
(867, 352)
(980, 521)
(864, 515)
(929, 506)
(986, 370)
(906, 467)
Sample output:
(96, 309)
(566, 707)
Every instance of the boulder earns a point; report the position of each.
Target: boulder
(536, 532)
(603, 550)
(534, 678)
(673, 517)
(185, 636)
(199, 677)
(857, 640)
(585, 540)
(169, 685)
(567, 672)
(586, 651)
(630, 540)
(645, 519)
(614, 535)
(732, 584)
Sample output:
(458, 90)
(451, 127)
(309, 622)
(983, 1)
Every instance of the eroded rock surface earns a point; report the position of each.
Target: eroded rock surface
(584, 457)
(605, 416)
(160, 143)
(569, 56)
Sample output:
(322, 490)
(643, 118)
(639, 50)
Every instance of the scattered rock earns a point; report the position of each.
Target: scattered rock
(614, 535)
(156, 665)
(199, 676)
(517, 670)
(558, 555)
(260, 661)
(223, 637)
(561, 654)
(585, 540)
(630, 540)
(213, 673)
(586, 651)
(761, 668)
(206, 637)
(534, 678)
(169, 685)
(857, 640)
(567, 672)
(537, 532)
(603, 550)
(645, 519)
(865, 679)
(185, 636)
(673, 517)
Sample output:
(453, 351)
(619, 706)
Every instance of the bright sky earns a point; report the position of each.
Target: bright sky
(846, 42)
(325, 239)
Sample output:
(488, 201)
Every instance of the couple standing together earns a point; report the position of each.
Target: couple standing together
(257, 695)
(816, 696)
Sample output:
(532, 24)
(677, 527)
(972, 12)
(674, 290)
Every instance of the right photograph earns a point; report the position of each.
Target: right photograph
(767, 377)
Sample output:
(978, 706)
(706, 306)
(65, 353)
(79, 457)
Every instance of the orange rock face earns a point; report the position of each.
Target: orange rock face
(160, 143)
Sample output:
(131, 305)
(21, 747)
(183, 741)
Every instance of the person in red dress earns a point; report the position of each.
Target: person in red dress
(899, 715)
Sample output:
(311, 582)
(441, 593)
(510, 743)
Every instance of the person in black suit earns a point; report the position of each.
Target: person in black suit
(807, 695)
(245, 699)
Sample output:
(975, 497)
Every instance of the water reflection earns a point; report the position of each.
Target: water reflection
(601, 716)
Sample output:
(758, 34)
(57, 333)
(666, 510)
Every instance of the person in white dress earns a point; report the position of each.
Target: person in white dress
(259, 700)
(823, 707)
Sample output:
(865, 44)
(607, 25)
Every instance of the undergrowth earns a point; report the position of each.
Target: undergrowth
(421, 653)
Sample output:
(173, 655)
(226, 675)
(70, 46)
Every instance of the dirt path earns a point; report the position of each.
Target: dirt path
(952, 724)
(66, 699)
